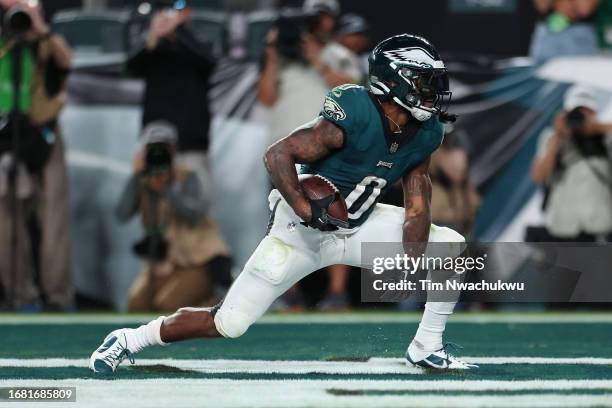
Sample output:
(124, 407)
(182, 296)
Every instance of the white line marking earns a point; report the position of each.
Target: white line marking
(301, 393)
(325, 318)
(382, 385)
(517, 360)
(374, 365)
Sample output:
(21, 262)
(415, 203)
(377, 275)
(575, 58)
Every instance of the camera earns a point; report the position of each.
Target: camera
(16, 22)
(158, 158)
(575, 119)
(292, 24)
(153, 247)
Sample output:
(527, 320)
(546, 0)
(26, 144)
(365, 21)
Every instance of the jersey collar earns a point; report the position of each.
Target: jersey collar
(395, 141)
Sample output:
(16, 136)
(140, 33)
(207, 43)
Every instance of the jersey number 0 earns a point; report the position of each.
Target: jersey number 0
(377, 185)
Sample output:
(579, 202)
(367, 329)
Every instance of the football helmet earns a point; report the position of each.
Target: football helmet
(407, 69)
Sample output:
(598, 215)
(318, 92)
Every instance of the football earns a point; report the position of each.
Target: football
(316, 187)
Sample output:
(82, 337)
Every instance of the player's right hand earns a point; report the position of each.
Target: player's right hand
(320, 218)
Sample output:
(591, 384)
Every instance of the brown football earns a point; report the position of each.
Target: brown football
(317, 187)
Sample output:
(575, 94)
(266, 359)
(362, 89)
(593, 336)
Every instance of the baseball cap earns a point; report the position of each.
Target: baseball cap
(321, 6)
(352, 24)
(579, 96)
(159, 131)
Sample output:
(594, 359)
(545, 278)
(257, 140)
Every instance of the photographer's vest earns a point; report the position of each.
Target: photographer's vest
(7, 86)
(37, 111)
(34, 99)
(188, 245)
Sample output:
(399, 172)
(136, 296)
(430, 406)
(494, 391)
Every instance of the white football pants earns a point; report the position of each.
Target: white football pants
(291, 251)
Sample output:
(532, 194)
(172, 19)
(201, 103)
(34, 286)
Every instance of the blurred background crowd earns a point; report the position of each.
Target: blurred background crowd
(132, 135)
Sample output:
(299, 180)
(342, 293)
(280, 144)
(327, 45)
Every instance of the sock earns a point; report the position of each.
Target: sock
(432, 325)
(145, 335)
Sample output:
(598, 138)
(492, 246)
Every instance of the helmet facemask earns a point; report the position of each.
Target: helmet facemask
(422, 92)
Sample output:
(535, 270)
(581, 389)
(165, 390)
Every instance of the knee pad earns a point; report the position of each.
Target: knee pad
(270, 261)
(231, 323)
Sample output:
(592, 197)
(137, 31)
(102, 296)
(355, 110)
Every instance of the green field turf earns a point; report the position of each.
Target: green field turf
(324, 360)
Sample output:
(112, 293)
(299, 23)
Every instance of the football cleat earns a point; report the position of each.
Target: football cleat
(438, 360)
(111, 353)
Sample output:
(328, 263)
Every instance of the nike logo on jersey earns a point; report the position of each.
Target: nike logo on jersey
(384, 164)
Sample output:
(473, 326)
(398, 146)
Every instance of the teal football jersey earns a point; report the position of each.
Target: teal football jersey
(372, 158)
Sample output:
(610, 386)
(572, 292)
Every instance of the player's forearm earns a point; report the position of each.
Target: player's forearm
(417, 207)
(415, 234)
(281, 168)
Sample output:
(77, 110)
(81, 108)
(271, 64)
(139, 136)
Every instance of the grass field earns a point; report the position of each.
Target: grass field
(527, 359)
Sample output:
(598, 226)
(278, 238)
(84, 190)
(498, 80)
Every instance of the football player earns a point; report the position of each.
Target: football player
(363, 141)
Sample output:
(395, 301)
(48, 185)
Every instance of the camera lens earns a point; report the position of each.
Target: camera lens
(575, 119)
(158, 157)
(17, 21)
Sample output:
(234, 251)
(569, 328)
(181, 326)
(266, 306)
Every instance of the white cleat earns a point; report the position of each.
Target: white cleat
(111, 353)
(437, 360)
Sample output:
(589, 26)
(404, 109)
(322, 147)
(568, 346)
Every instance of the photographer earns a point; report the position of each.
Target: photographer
(574, 164)
(33, 180)
(185, 256)
(566, 27)
(301, 65)
(176, 68)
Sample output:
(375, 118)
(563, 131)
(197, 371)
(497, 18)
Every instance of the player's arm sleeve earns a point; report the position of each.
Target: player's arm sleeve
(345, 109)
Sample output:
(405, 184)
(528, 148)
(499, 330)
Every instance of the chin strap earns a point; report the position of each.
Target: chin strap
(422, 114)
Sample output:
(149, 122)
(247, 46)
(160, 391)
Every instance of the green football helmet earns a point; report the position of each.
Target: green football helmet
(407, 69)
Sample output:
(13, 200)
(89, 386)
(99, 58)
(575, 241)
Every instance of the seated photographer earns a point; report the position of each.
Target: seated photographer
(34, 226)
(574, 165)
(186, 260)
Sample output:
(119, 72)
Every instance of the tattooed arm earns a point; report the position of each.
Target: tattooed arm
(417, 202)
(305, 145)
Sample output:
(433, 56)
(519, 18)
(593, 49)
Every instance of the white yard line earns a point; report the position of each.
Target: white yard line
(516, 360)
(372, 366)
(356, 385)
(300, 393)
(323, 318)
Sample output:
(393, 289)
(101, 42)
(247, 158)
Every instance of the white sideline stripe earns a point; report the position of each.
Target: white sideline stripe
(358, 385)
(302, 393)
(389, 366)
(324, 318)
(517, 360)
(372, 366)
